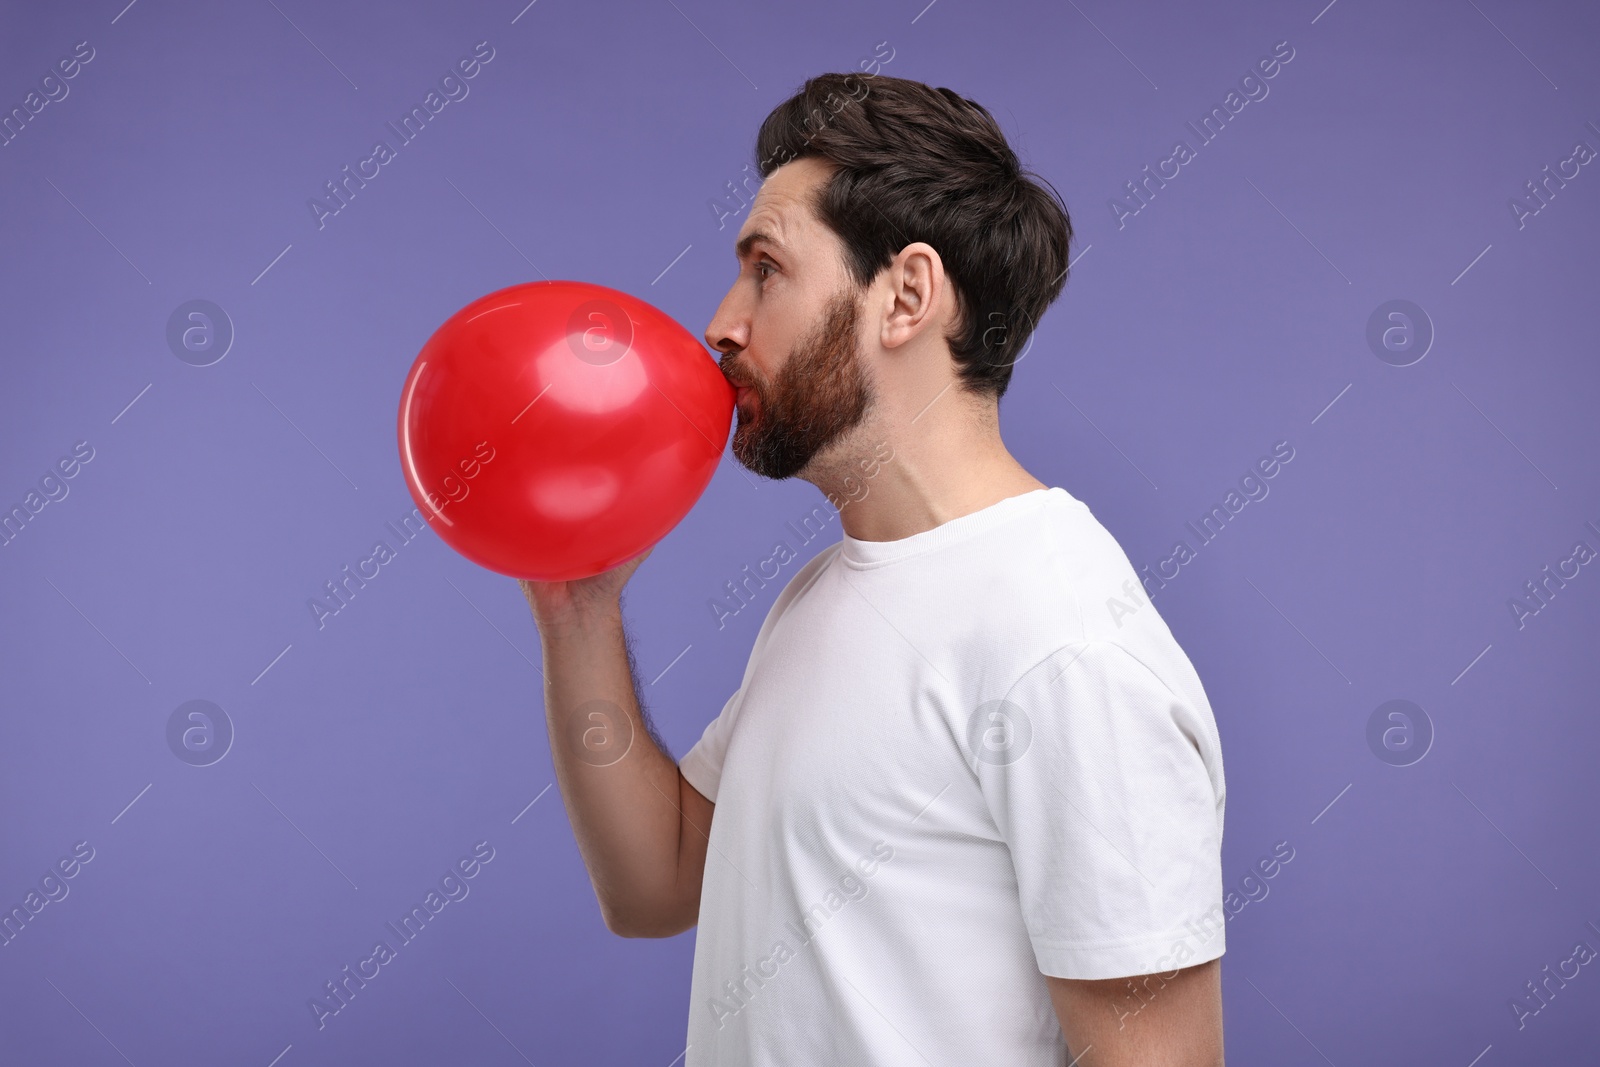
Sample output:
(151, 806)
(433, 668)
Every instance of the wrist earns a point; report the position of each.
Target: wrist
(579, 620)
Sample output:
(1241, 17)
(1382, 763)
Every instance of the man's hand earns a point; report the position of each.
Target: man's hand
(1152, 1020)
(557, 603)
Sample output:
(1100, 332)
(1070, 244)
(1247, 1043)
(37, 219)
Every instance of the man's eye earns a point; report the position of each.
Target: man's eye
(765, 264)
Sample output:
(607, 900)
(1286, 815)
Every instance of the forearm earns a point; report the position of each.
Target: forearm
(620, 789)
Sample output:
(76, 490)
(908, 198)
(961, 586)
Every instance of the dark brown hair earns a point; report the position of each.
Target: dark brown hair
(914, 163)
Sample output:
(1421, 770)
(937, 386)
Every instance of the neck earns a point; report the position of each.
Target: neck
(900, 474)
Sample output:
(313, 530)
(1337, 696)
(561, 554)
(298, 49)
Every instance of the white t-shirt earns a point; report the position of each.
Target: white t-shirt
(957, 762)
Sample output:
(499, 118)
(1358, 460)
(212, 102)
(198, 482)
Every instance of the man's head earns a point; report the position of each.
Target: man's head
(895, 245)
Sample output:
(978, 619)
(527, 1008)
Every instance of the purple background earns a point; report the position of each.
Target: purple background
(1230, 313)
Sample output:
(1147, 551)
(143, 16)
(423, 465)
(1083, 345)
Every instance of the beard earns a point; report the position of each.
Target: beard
(819, 395)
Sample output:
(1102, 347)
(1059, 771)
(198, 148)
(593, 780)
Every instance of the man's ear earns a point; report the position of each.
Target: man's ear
(917, 289)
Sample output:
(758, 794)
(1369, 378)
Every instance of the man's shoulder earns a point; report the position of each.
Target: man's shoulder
(1049, 570)
(1063, 581)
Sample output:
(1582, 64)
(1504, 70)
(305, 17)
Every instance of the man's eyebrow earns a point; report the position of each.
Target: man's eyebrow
(749, 240)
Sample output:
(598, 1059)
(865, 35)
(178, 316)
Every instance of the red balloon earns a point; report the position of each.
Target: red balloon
(553, 430)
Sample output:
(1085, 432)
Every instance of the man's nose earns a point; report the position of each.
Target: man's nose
(717, 338)
(726, 332)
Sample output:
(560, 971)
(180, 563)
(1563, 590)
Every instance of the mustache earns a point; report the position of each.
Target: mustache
(735, 375)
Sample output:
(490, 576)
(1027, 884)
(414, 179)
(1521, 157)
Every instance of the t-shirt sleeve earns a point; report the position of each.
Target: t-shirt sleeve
(1107, 788)
(702, 764)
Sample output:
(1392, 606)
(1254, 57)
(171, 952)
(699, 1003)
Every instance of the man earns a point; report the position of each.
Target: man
(961, 810)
